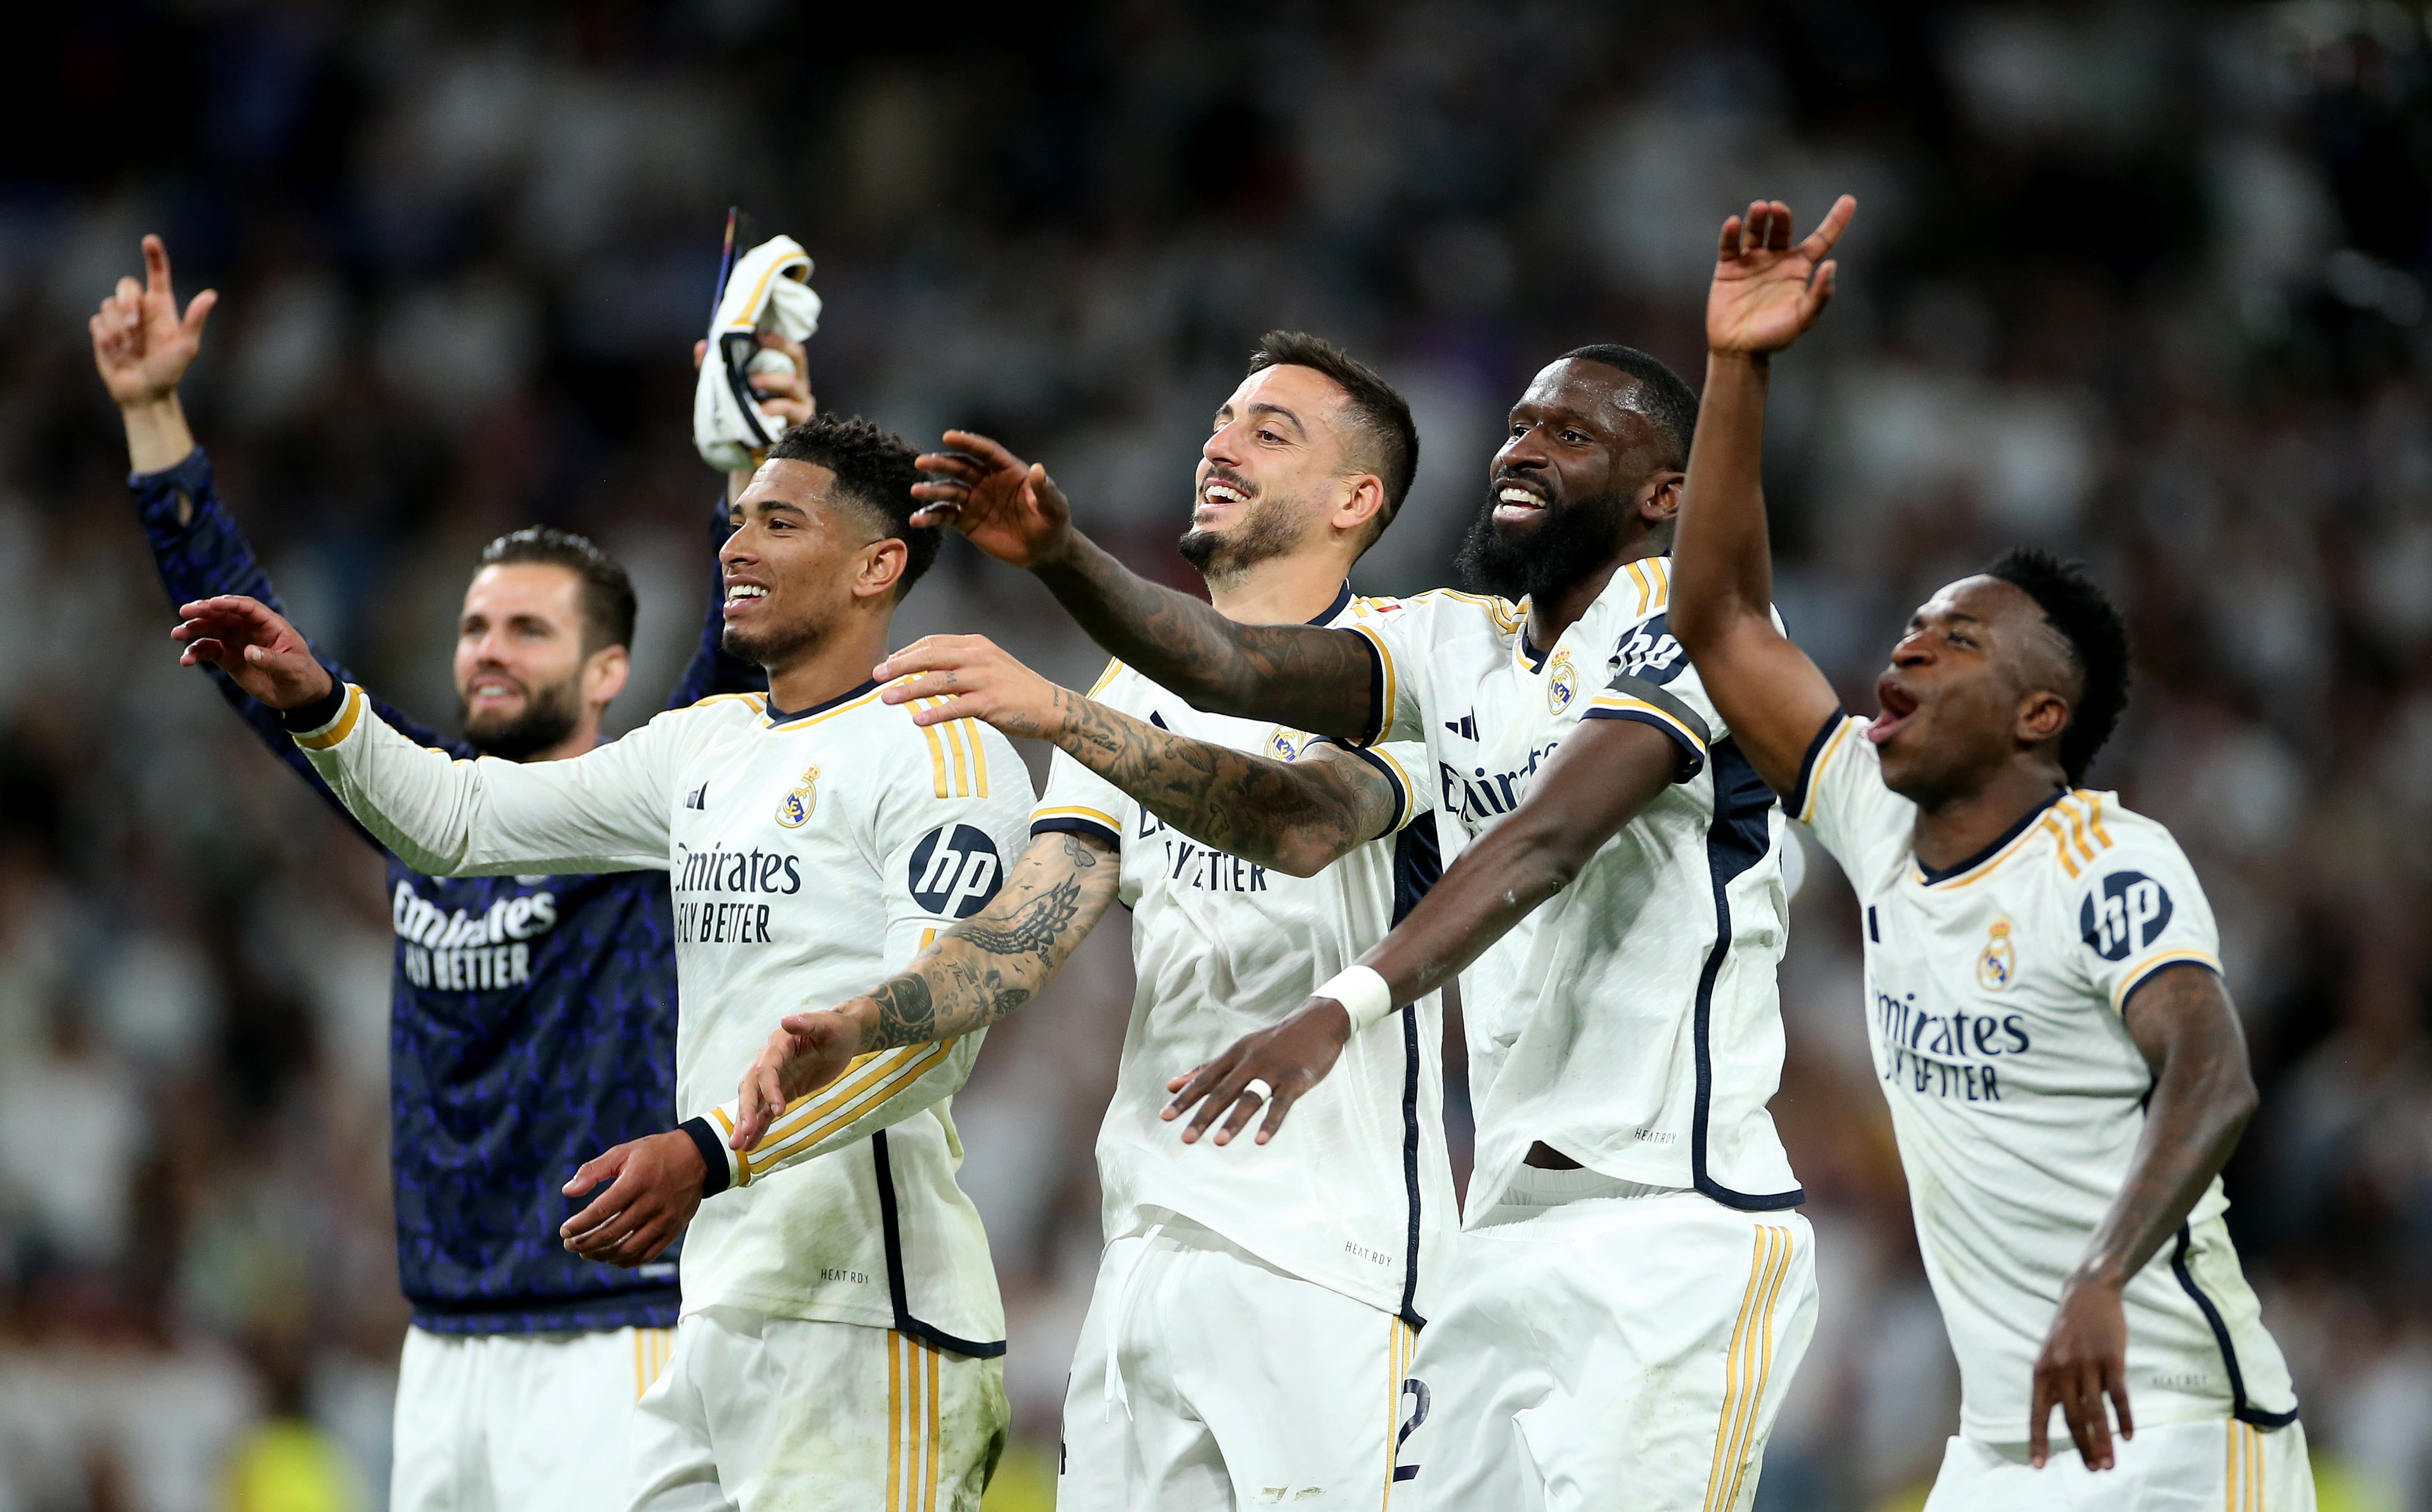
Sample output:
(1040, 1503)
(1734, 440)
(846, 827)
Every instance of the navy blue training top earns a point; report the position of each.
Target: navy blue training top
(531, 1021)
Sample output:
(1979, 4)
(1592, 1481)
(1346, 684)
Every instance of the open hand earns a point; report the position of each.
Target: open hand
(1768, 292)
(1292, 1057)
(140, 342)
(977, 679)
(261, 651)
(804, 1052)
(653, 1190)
(2084, 1359)
(1009, 507)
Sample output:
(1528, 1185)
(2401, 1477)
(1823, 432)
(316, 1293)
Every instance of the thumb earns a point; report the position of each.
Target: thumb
(199, 309)
(591, 1171)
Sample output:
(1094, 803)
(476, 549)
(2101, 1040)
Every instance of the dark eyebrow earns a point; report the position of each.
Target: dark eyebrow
(1278, 410)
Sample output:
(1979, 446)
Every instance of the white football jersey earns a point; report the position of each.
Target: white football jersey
(1632, 1022)
(1356, 1194)
(809, 855)
(1994, 993)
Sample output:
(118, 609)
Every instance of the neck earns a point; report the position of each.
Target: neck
(584, 737)
(1292, 589)
(836, 665)
(1954, 828)
(1557, 610)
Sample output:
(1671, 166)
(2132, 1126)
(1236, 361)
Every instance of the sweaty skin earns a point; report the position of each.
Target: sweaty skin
(1974, 705)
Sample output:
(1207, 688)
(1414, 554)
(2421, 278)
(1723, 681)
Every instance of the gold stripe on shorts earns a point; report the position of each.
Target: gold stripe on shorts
(1748, 1364)
(1401, 1340)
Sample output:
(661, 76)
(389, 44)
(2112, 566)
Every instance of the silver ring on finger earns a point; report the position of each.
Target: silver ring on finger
(1257, 1087)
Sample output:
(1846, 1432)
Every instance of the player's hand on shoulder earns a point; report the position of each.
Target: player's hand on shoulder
(2084, 1359)
(975, 679)
(256, 647)
(1290, 1058)
(1768, 290)
(1011, 509)
(804, 1052)
(141, 343)
(654, 1187)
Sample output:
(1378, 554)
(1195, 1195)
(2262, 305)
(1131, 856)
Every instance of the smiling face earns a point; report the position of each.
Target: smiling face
(1276, 471)
(1979, 680)
(800, 560)
(524, 679)
(1580, 474)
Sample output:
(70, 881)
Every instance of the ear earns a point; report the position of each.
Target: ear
(1658, 498)
(604, 672)
(1362, 501)
(880, 567)
(2042, 715)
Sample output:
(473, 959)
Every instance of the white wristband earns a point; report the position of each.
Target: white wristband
(1362, 994)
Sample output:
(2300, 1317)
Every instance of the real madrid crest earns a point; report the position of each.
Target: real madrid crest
(1999, 964)
(1561, 683)
(1287, 745)
(794, 809)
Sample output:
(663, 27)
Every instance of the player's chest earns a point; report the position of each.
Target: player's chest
(1160, 863)
(484, 935)
(1498, 718)
(765, 841)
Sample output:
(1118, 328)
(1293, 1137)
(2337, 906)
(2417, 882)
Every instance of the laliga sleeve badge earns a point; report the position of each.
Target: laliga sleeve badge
(1999, 965)
(794, 809)
(1561, 683)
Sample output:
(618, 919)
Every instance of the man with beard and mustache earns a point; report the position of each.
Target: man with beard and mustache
(1631, 1291)
(532, 1019)
(1251, 1312)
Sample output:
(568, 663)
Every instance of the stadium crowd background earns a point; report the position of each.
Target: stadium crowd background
(2147, 282)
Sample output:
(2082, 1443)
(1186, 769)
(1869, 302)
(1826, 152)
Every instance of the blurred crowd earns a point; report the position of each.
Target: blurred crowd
(2146, 282)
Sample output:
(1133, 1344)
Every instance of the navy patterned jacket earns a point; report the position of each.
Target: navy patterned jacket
(533, 1019)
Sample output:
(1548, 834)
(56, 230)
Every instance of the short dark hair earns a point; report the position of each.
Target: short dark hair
(1665, 398)
(2089, 625)
(874, 469)
(1380, 415)
(607, 593)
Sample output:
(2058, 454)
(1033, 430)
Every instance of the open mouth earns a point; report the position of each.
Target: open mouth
(741, 597)
(1516, 501)
(1896, 705)
(1221, 491)
(490, 691)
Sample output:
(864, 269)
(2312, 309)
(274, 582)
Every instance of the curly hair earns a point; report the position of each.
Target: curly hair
(874, 470)
(2089, 625)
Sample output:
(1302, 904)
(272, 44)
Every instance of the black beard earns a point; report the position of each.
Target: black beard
(1570, 541)
(1268, 531)
(550, 715)
(779, 645)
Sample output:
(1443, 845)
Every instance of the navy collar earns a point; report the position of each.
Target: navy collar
(779, 716)
(1341, 602)
(1933, 876)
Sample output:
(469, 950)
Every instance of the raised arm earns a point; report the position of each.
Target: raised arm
(2188, 1033)
(1765, 294)
(1295, 816)
(1296, 675)
(1605, 771)
(969, 976)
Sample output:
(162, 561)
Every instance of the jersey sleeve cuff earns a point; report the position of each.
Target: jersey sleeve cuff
(327, 720)
(1072, 818)
(1803, 789)
(2142, 972)
(156, 494)
(1405, 791)
(1635, 699)
(716, 1161)
(1382, 692)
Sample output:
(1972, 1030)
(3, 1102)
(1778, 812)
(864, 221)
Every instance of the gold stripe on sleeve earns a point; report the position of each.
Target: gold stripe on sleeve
(2093, 802)
(350, 712)
(1619, 700)
(937, 757)
(1113, 667)
(1646, 589)
(1076, 811)
(839, 1113)
(956, 736)
(1823, 760)
(2060, 841)
(2147, 967)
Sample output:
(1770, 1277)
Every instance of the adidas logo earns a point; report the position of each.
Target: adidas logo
(698, 798)
(1465, 727)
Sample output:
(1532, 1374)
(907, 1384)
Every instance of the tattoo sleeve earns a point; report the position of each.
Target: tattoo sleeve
(1000, 958)
(1295, 816)
(1298, 674)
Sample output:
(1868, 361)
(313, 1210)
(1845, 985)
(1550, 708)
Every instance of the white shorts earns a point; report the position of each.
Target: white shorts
(2220, 1465)
(1233, 1383)
(1606, 1345)
(757, 1412)
(506, 1422)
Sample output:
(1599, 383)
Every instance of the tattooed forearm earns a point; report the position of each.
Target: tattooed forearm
(1000, 958)
(1295, 816)
(1298, 674)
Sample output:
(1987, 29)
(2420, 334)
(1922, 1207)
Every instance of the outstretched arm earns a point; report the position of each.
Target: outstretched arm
(1296, 675)
(1767, 292)
(1296, 817)
(1604, 773)
(969, 976)
(2183, 1023)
